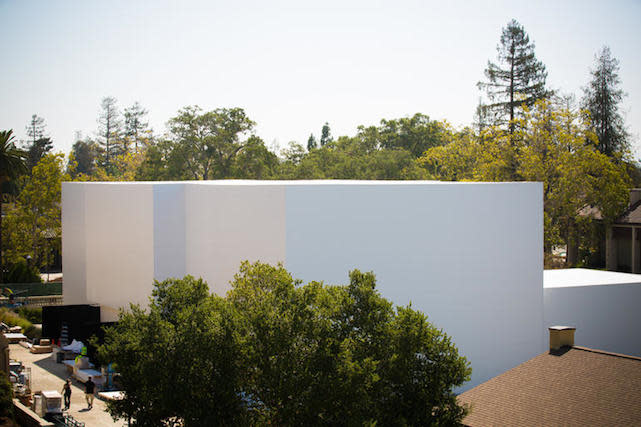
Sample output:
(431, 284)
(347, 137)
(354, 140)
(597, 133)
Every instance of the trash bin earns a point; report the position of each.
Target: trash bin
(60, 357)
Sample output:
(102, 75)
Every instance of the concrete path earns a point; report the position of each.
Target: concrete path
(46, 374)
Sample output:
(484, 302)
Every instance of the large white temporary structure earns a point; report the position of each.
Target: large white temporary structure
(469, 255)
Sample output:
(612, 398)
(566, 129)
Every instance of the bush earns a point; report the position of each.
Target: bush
(20, 272)
(6, 397)
(14, 319)
(32, 314)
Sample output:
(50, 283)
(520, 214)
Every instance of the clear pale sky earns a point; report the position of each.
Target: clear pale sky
(292, 65)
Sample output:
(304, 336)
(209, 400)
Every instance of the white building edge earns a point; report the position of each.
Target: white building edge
(469, 255)
(604, 306)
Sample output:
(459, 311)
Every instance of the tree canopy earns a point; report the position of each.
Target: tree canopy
(275, 351)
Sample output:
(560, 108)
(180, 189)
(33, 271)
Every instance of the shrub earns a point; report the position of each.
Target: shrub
(20, 272)
(6, 397)
(32, 314)
(14, 319)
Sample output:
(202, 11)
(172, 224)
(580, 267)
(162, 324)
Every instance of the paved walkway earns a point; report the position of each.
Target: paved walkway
(46, 374)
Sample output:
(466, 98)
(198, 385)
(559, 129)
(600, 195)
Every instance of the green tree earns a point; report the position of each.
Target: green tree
(414, 134)
(83, 158)
(602, 98)
(37, 150)
(178, 360)
(136, 126)
(255, 161)
(326, 135)
(12, 165)
(207, 143)
(311, 142)
(275, 352)
(337, 354)
(518, 78)
(109, 130)
(38, 144)
(33, 224)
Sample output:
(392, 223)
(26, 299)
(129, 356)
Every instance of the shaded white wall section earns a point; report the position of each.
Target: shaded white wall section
(604, 307)
(467, 254)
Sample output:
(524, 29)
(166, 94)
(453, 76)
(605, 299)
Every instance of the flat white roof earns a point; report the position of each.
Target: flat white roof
(570, 277)
(321, 182)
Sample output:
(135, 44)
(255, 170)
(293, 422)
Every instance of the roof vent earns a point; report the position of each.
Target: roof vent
(561, 336)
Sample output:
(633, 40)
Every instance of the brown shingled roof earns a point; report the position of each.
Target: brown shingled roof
(578, 387)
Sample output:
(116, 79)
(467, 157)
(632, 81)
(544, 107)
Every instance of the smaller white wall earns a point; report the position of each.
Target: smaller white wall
(119, 245)
(73, 244)
(604, 307)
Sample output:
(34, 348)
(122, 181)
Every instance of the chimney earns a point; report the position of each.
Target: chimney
(561, 336)
(635, 195)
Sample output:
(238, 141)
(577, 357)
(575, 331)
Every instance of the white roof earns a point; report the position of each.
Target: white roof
(316, 182)
(569, 277)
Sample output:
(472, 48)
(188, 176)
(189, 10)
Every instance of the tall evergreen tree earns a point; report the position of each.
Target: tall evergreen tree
(109, 128)
(518, 78)
(38, 144)
(135, 123)
(36, 128)
(601, 99)
(326, 135)
(311, 142)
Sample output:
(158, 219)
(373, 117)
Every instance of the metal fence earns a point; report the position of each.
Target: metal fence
(39, 301)
(32, 289)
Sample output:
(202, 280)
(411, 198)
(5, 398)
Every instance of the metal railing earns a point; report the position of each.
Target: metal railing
(39, 301)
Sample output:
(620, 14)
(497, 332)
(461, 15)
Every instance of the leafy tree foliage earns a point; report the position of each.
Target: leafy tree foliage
(33, 224)
(601, 99)
(37, 150)
(326, 135)
(275, 352)
(518, 78)
(180, 359)
(12, 165)
(83, 158)
(311, 142)
(208, 143)
(414, 134)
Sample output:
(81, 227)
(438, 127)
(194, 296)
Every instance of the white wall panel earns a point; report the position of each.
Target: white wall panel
(226, 224)
(606, 317)
(119, 244)
(74, 243)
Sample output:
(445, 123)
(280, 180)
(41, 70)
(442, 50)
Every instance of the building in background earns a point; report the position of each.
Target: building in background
(603, 305)
(469, 255)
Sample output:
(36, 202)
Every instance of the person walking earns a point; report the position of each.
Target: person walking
(89, 389)
(66, 392)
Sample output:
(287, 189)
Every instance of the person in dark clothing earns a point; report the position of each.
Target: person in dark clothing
(66, 392)
(89, 389)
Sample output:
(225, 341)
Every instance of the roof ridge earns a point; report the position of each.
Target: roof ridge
(629, 210)
(607, 353)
